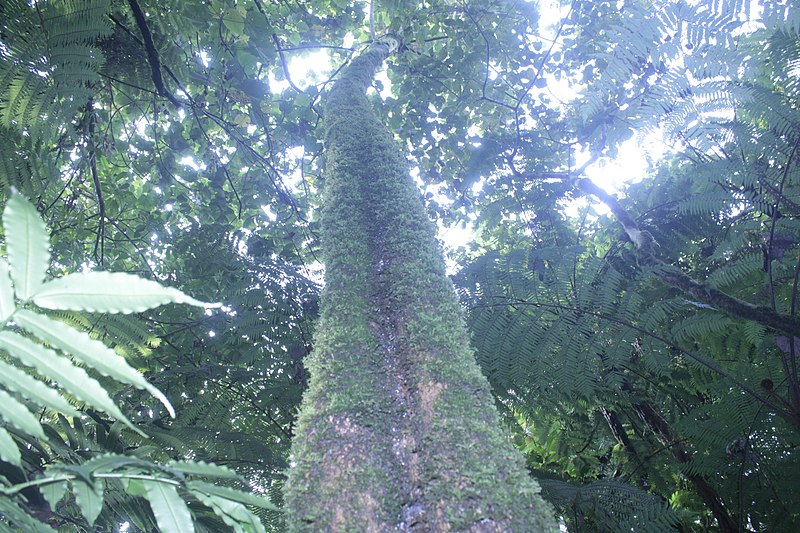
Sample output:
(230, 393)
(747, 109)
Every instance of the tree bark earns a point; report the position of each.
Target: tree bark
(398, 428)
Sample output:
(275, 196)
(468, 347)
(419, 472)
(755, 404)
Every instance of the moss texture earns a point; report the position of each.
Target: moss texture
(398, 429)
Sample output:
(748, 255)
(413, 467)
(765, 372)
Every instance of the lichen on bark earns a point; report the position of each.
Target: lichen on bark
(398, 429)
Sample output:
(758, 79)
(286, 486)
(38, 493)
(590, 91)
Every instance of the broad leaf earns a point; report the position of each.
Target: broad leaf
(53, 492)
(231, 494)
(92, 352)
(14, 514)
(111, 462)
(27, 244)
(234, 514)
(8, 449)
(108, 292)
(89, 497)
(170, 510)
(33, 389)
(6, 292)
(134, 487)
(62, 371)
(202, 469)
(19, 416)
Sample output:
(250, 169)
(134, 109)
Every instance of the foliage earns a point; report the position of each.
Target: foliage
(179, 142)
(666, 388)
(22, 291)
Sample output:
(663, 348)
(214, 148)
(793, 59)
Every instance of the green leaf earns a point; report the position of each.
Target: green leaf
(202, 469)
(14, 514)
(6, 292)
(19, 416)
(8, 448)
(134, 487)
(89, 497)
(234, 514)
(233, 20)
(112, 461)
(108, 292)
(171, 512)
(53, 492)
(92, 352)
(63, 372)
(27, 244)
(231, 494)
(33, 389)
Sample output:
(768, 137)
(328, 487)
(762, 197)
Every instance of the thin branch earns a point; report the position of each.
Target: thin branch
(674, 277)
(284, 64)
(99, 242)
(152, 53)
(372, 19)
(793, 418)
(488, 64)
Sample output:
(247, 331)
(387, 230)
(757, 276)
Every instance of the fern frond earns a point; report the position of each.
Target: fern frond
(611, 505)
(49, 62)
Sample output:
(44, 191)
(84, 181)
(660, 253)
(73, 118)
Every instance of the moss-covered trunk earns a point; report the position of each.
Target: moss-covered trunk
(398, 428)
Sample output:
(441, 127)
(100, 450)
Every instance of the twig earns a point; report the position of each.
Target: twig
(152, 53)
(674, 277)
(284, 64)
(372, 19)
(99, 242)
(707, 363)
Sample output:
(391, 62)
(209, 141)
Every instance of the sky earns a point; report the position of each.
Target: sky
(630, 165)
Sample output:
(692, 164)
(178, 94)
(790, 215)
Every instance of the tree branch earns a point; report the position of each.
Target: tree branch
(99, 243)
(152, 53)
(674, 277)
(284, 64)
(790, 416)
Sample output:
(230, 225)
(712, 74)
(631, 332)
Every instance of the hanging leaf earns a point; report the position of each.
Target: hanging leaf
(170, 510)
(33, 389)
(112, 461)
(232, 494)
(53, 492)
(14, 514)
(19, 416)
(202, 469)
(234, 514)
(62, 371)
(90, 351)
(6, 292)
(134, 487)
(27, 244)
(108, 292)
(233, 20)
(8, 449)
(89, 497)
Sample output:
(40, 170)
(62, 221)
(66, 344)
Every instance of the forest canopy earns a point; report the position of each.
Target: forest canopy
(641, 340)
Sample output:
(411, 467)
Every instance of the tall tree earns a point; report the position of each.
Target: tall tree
(398, 426)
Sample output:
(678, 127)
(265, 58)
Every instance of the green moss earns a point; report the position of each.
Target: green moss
(398, 426)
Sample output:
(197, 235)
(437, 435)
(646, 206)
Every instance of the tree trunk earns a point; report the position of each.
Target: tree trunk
(398, 428)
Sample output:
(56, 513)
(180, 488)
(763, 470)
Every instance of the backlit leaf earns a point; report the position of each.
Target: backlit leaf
(108, 292)
(92, 352)
(28, 245)
(202, 469)
(19, 416)
(234, 514)
(170, 510)
(35, 390)
(53, 492)
(62, 371)
(232, 494)
(6, 292)
(89, 497)
(8, 449)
